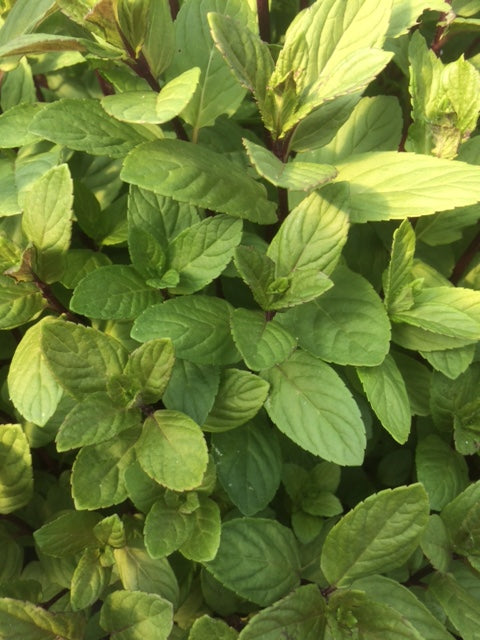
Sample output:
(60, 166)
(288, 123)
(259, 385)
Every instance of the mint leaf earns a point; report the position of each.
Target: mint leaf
(131, 615)
(149, 367)
(206, 628)
(175, 525)
(30, 621)
(196, 175)
(311, 405)
(89, 580)
(378, 535)
(68, 534)
(16, 479)
(257, 558)
(192, 389)
(459, 605)
(19, 302)
(14, 125)
(204, 539)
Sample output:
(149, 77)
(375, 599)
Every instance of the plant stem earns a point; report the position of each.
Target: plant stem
(54, 304)
(263, 20)
(303, 4)
(440, 34)
(465, 259)
(22, 526)
(174, 8)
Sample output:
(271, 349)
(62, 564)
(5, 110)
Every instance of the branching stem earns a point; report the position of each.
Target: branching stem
(263, 20)
(465, 259)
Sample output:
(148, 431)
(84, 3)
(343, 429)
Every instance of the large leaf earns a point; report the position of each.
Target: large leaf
(198, 326)
(258, 559)
(459, 605)
(387, 185)
(197, 175)
(25, 620)
(67, 534)
(23, 18)
(135, 615)
(335, 326)
(310, 404)
(378, 535)
(16, 480)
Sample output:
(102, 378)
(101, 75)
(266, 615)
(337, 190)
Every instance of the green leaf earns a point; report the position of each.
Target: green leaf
(159, 44)
(23, 18)
(301, 614)
(201, 252)
(313, 234)
(459, 605)
(68, 534)
(386, 185)
(172, 450)
(204, 540)
(198, 326)
(450, 311)
(98, 472)
(206, 628)
(95, 419)
(81, 358)
(335, 326)
(19, 302)
(16, 478)
(112, 292)
(387, 394)
(311, 405)
(197, 175)
(397, 280)
(436, 544)
(442, 471)
(406, 12)
(47, 220)
(258, 559)
(262, 343)
(132, 17)
(257, 271)
(417, 378)
(378, 535)
(166, 529)
(110, 531)
(296, 175)
(135, 615)
(9, 195)
(33, 390)
(195, 48)
(26, 620)
(14, 125)
(149, 107)
(78, 263)
(150, 367)
(192, 389)
(240, 396)
(248, 463)
(89, 580)
(83, 125)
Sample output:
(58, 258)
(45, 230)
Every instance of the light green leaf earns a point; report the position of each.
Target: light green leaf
(248, 463)
(83, 125)
(113, 292)
(33, 390)
(192, 389)
(257, 271)
(172, 450)
(417, 378)
(378, 535)
(8, 191)
(145, 107)
(82, 358)
(436, 544)
(150, 367)
(258, 559)
(206, 628)
(110, 531)
(14, 125)
(132, 18)
(95, 419)
(16, 478)
(311, 405)
(204, 539)
(197, 175)
(98, 472)
(47, 220)
(459, 605)
(442, 471)
(262, 343)
(23, 18)
(406, 12)
(166, 529)
(397, 280)
(195, 48)
(198, 326)
(301, 614)
(159, 43)
(135, 615)
(335, 326)
(19, 302)
(68, 534)
(240, 396)
(449, 311)
(201, 252)
(89, 580)
(385, 389)
(26, 620)
(387, 185)
(296, 175)
(78, 263)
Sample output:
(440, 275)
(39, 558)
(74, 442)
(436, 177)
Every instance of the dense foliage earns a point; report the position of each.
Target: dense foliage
(240, 309)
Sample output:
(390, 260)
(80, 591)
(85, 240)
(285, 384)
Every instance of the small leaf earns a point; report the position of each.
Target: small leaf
(166, 529)
(206, 628)
(379, 534)
(192, 389)
(150, 367)
(68, 534)
(19, 302)
(35, 623)
(311, 405)
(135, 615)
(204, 539)
(397, 280)
(258, 559)
(172, 450)
(14, 125)
(16, 479)
(89, 580)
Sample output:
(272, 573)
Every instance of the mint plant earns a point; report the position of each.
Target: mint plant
(240, 311)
